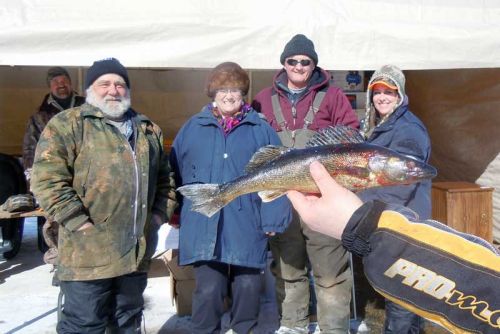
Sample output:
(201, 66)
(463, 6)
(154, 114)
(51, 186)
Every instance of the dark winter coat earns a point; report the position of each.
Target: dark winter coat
(335, 108)
(236, 234)
(406, 134)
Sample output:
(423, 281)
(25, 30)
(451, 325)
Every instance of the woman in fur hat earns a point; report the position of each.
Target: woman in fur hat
(390, 123)
(229, 249)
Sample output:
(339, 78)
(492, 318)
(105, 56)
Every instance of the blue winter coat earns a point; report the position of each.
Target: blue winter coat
(404, 133)
(236, 234)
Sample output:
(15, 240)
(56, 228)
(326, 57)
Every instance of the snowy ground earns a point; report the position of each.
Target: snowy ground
(28, 301)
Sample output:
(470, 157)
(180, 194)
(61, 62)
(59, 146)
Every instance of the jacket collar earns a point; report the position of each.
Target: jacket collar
(91, 111)
(49, 99)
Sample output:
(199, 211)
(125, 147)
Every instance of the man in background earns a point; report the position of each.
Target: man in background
(60, 97)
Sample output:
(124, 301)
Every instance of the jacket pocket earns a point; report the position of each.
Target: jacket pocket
(88, 248)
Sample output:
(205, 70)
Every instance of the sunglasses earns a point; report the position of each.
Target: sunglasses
(294, 62)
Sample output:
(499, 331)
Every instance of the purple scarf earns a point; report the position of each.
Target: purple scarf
(228, 123)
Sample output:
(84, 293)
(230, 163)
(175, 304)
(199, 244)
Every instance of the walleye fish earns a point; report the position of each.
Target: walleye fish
(273, 170)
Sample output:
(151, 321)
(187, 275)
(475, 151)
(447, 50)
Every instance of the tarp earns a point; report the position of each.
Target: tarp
(349, 34)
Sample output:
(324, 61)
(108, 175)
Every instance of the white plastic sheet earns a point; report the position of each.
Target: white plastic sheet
(349, 34)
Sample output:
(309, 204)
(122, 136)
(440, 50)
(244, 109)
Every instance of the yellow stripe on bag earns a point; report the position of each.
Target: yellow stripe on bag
(441, 240)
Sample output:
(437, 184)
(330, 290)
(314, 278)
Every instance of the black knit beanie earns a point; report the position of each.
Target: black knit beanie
(299, 45)
(105, 66)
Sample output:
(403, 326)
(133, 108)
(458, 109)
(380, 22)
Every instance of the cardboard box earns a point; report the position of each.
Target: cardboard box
(182, 282)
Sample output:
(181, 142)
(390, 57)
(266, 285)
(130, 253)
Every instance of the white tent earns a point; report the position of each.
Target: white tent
(349, 34)
(169, 45)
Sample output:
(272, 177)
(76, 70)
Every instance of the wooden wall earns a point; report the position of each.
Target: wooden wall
(461, 108)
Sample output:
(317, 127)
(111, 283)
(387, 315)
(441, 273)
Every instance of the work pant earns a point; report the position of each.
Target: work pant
(113, 303)
(332, 278)
(213, 281)
(399, 320)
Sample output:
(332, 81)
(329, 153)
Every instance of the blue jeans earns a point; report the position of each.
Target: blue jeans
(399, 320)
(214, 282)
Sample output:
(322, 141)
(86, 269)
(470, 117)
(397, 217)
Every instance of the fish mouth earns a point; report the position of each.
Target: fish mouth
(422, 171)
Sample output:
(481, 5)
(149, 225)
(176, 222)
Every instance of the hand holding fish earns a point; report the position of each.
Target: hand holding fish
(330, 212)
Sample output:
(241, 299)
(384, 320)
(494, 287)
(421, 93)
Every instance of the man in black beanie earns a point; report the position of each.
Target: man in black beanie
(101, 172)
(60, 97)
(300, 102)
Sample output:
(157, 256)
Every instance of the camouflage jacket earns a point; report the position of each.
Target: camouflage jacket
(37, 123)
(86, 170)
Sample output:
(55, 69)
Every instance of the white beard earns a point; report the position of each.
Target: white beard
(112, 110)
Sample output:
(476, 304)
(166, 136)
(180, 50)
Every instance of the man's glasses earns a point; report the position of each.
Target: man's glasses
(294, 62)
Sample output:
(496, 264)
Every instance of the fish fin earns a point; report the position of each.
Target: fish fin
(205, 198)
(270, 195)
(334, 135)
(264, 155)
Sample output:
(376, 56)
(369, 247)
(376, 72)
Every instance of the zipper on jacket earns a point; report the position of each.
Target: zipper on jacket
(136, 170)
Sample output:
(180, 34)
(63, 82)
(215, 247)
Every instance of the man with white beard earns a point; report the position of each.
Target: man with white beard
(101, 172)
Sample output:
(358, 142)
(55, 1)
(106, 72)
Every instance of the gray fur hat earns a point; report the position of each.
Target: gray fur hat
(299, 45)
(390, 76)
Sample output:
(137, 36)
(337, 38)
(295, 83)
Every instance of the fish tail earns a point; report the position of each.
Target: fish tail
(206, 198)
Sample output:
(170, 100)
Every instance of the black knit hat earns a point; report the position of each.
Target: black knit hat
(299, 45)
(55, 72)
(105, 66)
